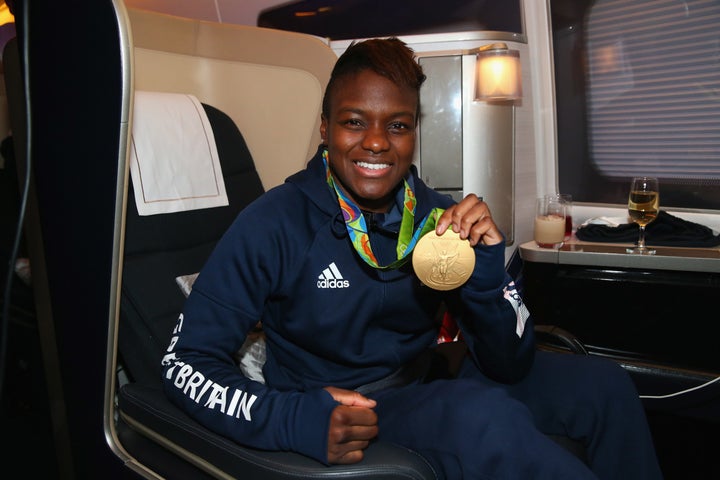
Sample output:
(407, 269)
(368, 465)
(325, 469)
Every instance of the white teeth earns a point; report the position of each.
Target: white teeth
(372, 166)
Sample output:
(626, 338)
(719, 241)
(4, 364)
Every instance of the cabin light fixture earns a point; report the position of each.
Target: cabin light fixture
(497, 73)
(5, 15)
(467, 139)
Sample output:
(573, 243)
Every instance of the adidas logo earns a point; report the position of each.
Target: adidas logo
(332, 278)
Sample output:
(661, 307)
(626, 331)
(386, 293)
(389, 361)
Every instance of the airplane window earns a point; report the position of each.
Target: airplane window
(638, 93)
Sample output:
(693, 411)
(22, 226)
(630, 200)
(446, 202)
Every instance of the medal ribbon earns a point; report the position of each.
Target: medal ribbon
(357, 227)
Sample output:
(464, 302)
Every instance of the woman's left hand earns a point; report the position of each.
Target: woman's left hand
(471, 219)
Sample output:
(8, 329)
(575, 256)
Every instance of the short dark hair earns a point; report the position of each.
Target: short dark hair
(389, 57)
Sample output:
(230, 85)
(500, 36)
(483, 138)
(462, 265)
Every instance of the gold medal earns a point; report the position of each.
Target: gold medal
(443, 262)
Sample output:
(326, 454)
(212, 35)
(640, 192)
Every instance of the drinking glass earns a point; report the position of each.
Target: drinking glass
(565, 198)
(549, 231)
(643, 206)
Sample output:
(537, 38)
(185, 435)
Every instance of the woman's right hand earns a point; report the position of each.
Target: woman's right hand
(353, 424)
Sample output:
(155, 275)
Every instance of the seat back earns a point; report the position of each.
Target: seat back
(160, 248)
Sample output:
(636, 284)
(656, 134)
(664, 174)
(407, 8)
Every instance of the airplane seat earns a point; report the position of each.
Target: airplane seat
(264, 113)
(159, 249)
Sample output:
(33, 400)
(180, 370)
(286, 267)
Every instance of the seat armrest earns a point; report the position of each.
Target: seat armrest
(146, 410)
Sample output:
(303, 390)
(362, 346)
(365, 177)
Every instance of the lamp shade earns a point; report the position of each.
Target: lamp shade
(497, 74)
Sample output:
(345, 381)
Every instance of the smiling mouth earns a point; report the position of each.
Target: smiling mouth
(372, 166)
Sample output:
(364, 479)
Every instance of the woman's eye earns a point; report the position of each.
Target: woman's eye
(399, 126)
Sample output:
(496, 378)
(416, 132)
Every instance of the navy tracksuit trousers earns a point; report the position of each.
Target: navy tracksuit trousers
(474, 428)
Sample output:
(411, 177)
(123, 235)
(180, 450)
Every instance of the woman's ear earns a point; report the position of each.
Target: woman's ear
(323, 129)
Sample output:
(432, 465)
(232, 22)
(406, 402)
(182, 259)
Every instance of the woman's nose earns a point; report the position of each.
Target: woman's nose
(376, 140)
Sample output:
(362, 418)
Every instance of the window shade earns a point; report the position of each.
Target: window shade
(654, 88)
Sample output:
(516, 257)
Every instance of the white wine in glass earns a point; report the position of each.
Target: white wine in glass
(643, 207)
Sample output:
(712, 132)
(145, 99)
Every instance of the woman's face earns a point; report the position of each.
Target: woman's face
(370, 136)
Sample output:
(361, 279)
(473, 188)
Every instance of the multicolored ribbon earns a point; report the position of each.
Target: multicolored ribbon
(357, 227)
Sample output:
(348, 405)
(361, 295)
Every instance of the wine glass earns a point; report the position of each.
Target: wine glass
(643, 206)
